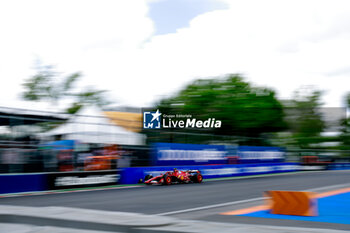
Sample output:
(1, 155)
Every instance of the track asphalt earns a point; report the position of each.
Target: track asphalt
(218, 196)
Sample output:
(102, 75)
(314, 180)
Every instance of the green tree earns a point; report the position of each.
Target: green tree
(49, 85)
(305, 118)
(245, 111)
(345, 130)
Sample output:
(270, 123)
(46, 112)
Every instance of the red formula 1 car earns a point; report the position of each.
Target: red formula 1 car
(175, 176)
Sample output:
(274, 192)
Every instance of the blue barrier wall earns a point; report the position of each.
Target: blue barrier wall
(339, 166)
(133, 174)
(14, 183)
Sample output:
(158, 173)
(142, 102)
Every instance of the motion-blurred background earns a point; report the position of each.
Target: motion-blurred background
(76, 76)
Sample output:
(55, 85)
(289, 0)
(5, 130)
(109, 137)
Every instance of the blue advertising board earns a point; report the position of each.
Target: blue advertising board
(339, 166)
(26, 182)
(14, 183)
(260, 154)
(59, 145)
(175, 154)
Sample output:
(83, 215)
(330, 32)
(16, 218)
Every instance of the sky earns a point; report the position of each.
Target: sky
(141, 51)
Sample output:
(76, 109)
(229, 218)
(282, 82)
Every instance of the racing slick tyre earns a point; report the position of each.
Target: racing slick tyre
(167, 180)
(197, 178)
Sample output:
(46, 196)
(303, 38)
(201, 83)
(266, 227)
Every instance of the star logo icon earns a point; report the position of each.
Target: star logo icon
(156, 115)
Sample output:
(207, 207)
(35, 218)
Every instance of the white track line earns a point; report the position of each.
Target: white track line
(212, 206)
(245, 201)
(336, 186)
(267, 175)
(21, 194)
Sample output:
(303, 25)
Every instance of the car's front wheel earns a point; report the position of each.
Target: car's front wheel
(148, 177)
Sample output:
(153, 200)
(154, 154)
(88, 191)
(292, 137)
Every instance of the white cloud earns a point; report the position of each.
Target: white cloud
(281, 44)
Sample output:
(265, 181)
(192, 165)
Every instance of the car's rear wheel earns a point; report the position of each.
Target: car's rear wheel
(198, 178)
(167, 180)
